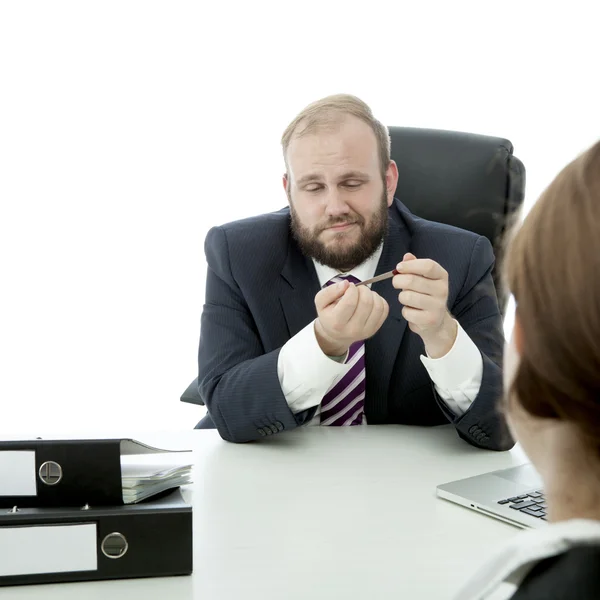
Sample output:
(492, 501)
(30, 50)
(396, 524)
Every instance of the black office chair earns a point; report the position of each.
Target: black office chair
(462, 179)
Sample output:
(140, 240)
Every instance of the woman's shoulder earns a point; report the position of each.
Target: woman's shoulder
(572, 575)
(559, 561)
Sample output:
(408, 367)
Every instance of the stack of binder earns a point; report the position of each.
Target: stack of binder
(78, 510)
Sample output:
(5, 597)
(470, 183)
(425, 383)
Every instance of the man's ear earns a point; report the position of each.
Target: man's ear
(391, 181)
(287, 186)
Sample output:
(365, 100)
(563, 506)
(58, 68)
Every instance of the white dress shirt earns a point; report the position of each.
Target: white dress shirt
(306, 373)
(500, 576)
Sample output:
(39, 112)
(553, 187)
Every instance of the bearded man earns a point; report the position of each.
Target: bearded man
(289, 336)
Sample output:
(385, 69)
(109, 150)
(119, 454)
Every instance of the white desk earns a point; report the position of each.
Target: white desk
(320, 512)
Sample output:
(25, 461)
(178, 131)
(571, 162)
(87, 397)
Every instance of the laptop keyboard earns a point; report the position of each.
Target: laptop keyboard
(533, 504)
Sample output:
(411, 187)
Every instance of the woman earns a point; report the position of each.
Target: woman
(552, 391)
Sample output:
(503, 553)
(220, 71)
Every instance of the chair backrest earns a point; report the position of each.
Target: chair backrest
(467, 180)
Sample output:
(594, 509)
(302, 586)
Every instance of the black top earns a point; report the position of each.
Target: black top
(573, 575)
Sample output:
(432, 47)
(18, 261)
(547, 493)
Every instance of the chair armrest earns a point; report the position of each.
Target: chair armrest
(191, 394)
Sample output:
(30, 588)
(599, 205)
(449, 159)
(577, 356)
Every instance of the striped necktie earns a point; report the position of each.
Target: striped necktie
(344, 403)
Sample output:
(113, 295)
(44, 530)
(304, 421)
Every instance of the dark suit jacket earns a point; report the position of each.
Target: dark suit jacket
(573, 575)
(260, 292)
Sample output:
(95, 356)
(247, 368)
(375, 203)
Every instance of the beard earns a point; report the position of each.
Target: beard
(337, 254)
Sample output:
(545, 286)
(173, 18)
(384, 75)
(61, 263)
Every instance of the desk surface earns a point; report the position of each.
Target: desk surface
(320, 512)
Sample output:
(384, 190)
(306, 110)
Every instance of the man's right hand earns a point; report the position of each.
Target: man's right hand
(347, 314)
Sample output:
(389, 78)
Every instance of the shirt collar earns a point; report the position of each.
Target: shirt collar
(365, 270)
(502, 574)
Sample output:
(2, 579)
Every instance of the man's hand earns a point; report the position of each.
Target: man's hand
(347, 314)
(424, 285)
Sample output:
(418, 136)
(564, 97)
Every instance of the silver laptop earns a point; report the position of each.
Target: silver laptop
(512, 495)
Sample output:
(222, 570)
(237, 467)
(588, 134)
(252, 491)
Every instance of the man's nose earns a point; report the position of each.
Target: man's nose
(336, 205)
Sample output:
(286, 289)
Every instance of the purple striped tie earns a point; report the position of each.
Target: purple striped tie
(344, 403)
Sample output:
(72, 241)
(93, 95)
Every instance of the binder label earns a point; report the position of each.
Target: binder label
(37, 549)
(17, 473)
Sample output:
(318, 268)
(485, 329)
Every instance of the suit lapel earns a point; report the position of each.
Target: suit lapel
(382, 348)
(299, 288)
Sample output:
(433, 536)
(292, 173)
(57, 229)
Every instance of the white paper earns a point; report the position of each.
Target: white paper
(150, 466)
(129, 446)
(17, 473)
(35, 549)
(146, 475)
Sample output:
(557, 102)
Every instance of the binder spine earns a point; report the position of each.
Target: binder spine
(148, 543)
(71, 473)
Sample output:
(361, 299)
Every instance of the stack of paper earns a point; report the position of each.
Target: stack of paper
(152, 472)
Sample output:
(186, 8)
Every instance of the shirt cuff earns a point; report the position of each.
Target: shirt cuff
(305, 372)
(461, 366)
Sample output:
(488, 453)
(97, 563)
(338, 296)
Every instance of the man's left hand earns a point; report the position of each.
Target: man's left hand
(424, 285)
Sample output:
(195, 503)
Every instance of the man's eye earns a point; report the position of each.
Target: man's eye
(353, 184)
(312, 188)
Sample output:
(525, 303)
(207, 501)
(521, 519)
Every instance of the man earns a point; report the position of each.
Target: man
(289, 339)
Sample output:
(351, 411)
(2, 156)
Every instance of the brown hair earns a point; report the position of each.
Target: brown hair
(552, 266)
(329, 112)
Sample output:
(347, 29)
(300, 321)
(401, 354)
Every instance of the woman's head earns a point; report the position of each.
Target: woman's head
(552, 266)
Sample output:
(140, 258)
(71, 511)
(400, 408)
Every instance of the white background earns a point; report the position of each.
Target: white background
(127, 129)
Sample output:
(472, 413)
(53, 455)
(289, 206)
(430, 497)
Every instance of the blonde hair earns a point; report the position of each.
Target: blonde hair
(329, 112)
